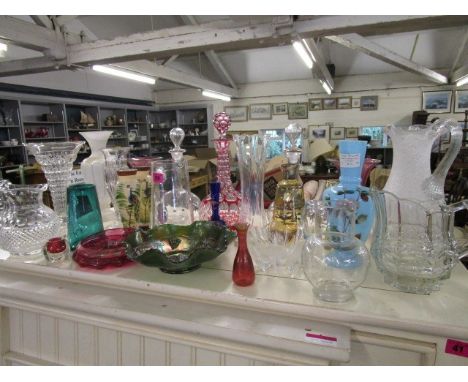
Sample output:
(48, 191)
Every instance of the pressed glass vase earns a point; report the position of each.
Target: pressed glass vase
(56, 160)
(84, 215)
(26, 223)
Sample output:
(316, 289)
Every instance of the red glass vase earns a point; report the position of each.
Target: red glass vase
(243, 272)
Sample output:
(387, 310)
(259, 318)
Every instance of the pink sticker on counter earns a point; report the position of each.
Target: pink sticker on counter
(158, 177)
(456, 347)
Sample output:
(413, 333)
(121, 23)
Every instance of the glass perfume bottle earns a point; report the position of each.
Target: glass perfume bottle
(352, 156)
(289, 197)
(229, 199)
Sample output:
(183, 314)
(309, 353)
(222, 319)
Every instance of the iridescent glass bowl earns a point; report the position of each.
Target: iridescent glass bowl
(178, 248)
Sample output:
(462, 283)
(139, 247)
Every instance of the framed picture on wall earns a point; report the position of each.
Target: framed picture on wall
(329, 103)
(237, 113)
(260, 111)
(315, 104)
(369, 103)
(337, 133)
(344, 103)
(319, 132)
(280, 108)
(356, 103)
(298, 110)
(352, 132)
(334, 142)
(437, 101)
(461, 101)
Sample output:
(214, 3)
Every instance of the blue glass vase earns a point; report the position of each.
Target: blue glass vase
(352, 156)
(84, 214)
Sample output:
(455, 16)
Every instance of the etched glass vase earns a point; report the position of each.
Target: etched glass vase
(56, 160)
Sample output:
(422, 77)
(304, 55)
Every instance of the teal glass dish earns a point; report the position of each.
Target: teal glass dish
(179, 248)
(84, 214)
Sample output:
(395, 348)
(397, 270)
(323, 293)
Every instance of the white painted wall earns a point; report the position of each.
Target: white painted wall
(399, 95)
(85, 81)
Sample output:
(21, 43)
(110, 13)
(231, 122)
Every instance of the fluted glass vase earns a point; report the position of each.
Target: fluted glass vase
(56, 160)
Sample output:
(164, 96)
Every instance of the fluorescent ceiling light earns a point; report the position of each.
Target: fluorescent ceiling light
(3, 47)
(309, 50)
(462, 81)
(326, 87)
(212, 94)
(302, 52)
(124, 74)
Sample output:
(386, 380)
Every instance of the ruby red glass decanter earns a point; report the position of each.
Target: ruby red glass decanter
(229, 199)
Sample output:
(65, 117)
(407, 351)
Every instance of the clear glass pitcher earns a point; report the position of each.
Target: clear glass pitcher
(414, 246)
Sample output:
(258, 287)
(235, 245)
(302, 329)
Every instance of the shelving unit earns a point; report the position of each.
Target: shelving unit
(114, 119)
(138, 131)
(10, 128)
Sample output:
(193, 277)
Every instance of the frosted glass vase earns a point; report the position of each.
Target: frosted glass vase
(92, 169)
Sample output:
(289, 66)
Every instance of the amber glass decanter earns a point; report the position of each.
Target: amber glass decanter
(289, 197)
(229, 199)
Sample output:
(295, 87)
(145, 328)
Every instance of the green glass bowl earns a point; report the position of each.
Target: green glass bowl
(179, 248)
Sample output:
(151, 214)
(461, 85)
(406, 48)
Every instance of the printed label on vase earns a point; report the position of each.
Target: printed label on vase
(350, 160)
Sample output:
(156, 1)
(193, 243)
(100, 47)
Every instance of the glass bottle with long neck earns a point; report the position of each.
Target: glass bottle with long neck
(229, 199)
(289, 197)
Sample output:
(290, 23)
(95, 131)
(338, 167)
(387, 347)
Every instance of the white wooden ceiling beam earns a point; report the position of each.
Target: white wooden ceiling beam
(30, 65)
(29, 35)
(176, 76)
(459, 74)
(361, 44)
(213, 58)
(320, 67)
(167, 61)
(43, 21)
(65, 19)
(228, 35)
(460, 53)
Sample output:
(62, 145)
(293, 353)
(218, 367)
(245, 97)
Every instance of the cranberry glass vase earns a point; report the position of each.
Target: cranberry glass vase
(229, 198)
(243, 272)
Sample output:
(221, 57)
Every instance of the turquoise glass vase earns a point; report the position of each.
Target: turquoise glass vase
(352, 157)
(84, 214)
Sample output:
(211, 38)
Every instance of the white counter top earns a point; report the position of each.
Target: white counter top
(444, 312)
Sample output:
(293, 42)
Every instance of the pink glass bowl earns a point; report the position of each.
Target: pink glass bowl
(104, 249)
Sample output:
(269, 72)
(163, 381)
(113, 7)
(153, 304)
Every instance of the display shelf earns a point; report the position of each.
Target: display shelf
(42, 123)
(44, 139)
(9, 126)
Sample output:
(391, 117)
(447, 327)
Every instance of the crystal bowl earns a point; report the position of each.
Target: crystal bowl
(179, 248)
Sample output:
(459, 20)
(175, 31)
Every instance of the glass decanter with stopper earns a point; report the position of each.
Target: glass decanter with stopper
(229, 198)
(289, 197)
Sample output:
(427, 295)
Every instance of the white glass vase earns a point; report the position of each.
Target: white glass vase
(92, 169)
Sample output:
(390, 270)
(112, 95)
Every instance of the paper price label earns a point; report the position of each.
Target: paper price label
(350, 160)
(76, 177)
(456, 347)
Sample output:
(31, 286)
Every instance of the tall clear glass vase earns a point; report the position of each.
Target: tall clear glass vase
(56, 160)
(251, 162)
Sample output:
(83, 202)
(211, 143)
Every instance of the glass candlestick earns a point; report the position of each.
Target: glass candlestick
(229, 200)
(56, 160)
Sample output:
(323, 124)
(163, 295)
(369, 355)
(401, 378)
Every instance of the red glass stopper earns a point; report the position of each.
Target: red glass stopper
(56, 245)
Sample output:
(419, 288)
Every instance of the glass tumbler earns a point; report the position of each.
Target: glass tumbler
(171, 197)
